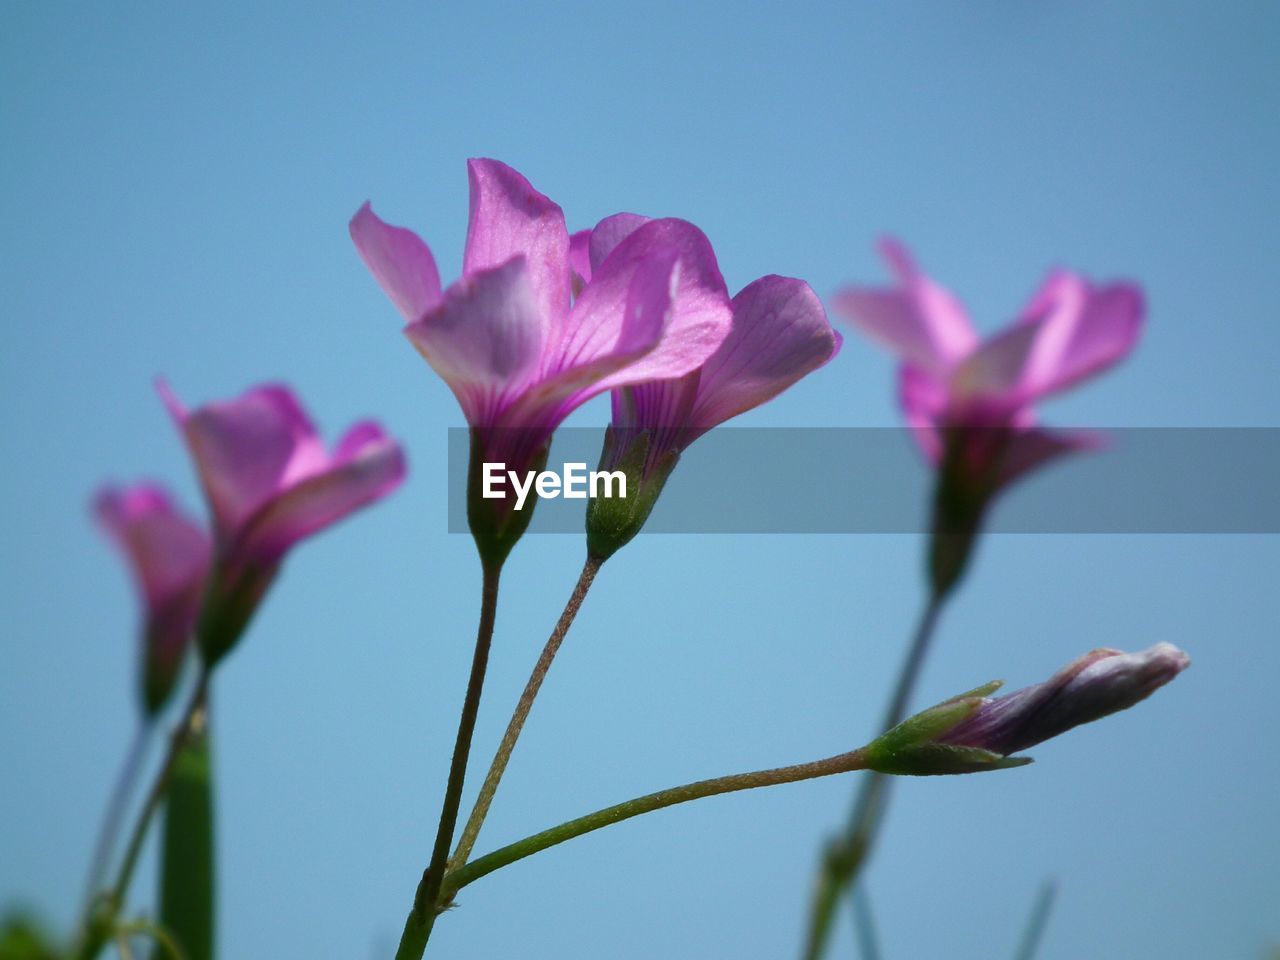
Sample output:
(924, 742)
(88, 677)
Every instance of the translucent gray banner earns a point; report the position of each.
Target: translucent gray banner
(875, 480)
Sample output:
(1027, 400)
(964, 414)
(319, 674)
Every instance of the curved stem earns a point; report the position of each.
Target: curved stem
(475, 821)
(842, 763)
(422, 917)
(846, 854)
(120, 793)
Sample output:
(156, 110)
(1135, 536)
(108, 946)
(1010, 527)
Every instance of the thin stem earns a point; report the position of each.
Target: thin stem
(842, 763)
(1033, 935)
(475, 821)
(847, 853)
(190, 717)
(119, 801)
(422, 917)
(93, 932)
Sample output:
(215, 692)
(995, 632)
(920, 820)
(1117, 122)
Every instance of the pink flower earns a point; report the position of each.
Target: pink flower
(539, 323)
(1070, 331)
(169, 556)
(779, 333)
(971, 403)
(270, 482)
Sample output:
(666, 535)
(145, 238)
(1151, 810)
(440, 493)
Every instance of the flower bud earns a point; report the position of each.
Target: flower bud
(973, 732)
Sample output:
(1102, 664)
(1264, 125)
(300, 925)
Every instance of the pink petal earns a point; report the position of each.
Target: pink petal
(248, 449)
(780, 333)
(509, 218)
(1029, 450)
(609, 311)
(994, 377)
(399, 260)
(366, 466)
(485, 340)
(580, 259)
(924, 401)
(610, 232)
(169, 557)
(167, 551)
(919, 320)
(1084, 330)
(608, 340)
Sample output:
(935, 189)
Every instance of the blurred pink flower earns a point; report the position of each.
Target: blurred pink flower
(539, 323)
(169, 558)
(270, 482)
(1071, 330)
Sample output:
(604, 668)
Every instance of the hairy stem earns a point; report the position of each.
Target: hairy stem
(471, 832)
(842, 763)
(421, 919)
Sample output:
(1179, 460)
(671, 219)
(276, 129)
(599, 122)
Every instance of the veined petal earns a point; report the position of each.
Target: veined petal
(366, 466)
(610, 309)
(780, 333)
(611, 343)
(399, 260)
(248, 449)
(485, 340)
(509, 218)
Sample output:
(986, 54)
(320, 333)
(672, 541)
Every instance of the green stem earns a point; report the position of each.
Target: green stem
(422, 917)
(846, 854)
(842, 763)
(96, 930)
(471, 832)
(114, 815)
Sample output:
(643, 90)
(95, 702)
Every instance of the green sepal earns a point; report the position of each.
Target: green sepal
(612, 522)
(229, 604)
(941, 759)
(496, 524)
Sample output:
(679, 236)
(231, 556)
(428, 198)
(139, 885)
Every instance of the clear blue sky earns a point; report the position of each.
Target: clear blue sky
(177, 180)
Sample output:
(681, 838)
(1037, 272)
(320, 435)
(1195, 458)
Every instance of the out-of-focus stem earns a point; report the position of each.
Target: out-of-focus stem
(846, 854)
(114, 814)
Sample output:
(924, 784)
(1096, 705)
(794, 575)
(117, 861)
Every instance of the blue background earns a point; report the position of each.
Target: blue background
(177, 180)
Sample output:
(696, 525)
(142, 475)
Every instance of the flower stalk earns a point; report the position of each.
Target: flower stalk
(471, 831)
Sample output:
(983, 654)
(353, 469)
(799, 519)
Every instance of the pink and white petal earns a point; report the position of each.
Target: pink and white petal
(580, 259)
(699, 318)
(924, 401)
(509, 218)
(399, 260)
(247, 449)
(610, 232)
(371, 466)
(485, 340)
(941, 314)
(780, 333)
